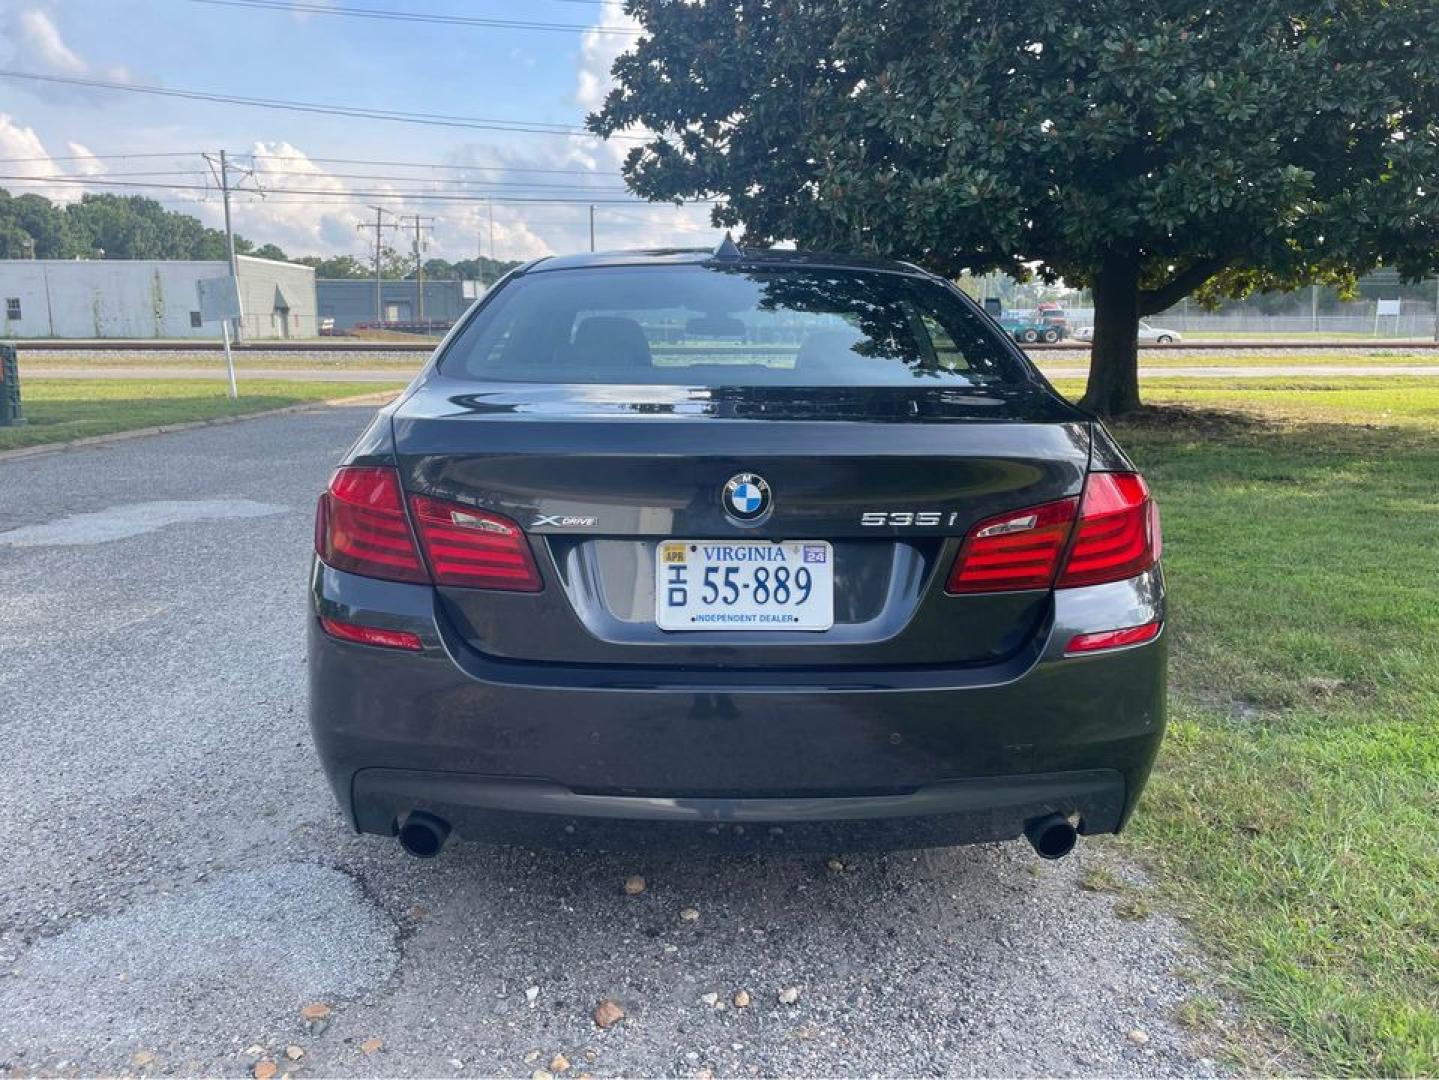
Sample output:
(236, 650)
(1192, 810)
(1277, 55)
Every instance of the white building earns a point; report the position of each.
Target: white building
(144, 298)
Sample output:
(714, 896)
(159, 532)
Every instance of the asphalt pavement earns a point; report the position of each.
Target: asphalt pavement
(176, 884)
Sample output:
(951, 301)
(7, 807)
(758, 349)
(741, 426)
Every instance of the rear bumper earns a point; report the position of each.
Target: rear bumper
(534, 812)
(680, 756)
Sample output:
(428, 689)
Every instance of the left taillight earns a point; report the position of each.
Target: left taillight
(361, 528)
(1018, 550)
(473, 548)
(1110, 533)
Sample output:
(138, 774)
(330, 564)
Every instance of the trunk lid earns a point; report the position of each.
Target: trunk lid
(597, 476)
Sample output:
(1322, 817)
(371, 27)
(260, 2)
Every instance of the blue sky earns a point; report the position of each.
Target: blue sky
(510, 74)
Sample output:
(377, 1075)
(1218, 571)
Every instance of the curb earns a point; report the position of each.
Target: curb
(379, 397)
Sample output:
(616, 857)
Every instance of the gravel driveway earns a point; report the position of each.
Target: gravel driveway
(176, 884)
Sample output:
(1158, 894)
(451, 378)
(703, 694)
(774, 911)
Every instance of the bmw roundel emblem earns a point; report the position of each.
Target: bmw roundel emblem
(746, 498)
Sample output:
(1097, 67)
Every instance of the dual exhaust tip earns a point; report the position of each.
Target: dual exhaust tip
(1052, 836)
(423, 835)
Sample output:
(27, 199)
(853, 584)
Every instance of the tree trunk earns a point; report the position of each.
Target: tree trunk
(1113, 387)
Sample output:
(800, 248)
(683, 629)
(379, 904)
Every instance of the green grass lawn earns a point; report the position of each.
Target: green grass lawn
(35, 364)
(1293, 812)
(60, 409)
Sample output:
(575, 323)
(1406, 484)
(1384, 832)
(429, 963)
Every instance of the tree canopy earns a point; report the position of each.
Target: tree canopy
(102, 226)
(1146, 150)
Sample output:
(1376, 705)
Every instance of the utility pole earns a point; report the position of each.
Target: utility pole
(220, 169)
(1313, 307)
(380, 225)
(592, 226)
(421, 222)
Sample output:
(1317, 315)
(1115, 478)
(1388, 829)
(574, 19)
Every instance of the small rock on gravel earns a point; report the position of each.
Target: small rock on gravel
(690, 914)
(264, 1069)
(559, 1063)
(369, 1046)
(789, 995)
(634, 885)
(608, 1013)
(1138, 1036)
(741, 999)
(143, 1058)
(294, 1053)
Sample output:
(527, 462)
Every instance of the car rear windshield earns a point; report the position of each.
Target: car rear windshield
(711, 326)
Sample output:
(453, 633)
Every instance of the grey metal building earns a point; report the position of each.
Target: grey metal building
(351, 301)
(149, 298)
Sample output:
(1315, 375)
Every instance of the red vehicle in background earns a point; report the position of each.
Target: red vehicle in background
(1052, 314)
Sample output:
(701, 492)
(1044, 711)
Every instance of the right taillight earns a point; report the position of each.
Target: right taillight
(1111, 532)
(361, 527)
(1117, 534)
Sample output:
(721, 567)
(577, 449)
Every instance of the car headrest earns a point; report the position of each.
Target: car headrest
(827, 348)
(611, 341)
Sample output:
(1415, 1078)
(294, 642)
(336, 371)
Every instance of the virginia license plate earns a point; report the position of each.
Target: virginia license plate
(737, 585)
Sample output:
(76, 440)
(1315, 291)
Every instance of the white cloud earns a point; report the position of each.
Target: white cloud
(84, 162)
(38, 38)
(645, 225)
(598, 53)
(36, 44)
(311, 209)
(31, 158)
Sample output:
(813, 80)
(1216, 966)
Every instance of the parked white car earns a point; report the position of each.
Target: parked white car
(1156, 334)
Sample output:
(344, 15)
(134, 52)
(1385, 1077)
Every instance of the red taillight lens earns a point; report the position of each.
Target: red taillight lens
(1115, 526)
(472, 548)
(1117, 535)
(1017, 550)
(372, 635)
(1112, 639)
(360, 526)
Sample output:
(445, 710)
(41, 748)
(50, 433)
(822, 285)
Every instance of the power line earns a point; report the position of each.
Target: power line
(416, 195)
(394, 115)
(296, 175)
(419, 165)
(323, 160)
(416, 17)
(412, 179)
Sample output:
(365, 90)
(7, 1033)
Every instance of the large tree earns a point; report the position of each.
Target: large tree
(1147, 149)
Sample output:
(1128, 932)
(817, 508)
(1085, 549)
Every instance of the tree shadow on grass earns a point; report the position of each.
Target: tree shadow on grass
(1188, 426)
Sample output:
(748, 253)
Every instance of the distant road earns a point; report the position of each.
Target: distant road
(350, 374)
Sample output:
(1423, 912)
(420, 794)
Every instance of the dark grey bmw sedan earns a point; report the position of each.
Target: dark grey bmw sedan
(693, 548)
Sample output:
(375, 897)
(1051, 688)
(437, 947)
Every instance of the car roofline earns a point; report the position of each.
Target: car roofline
(750, 258)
